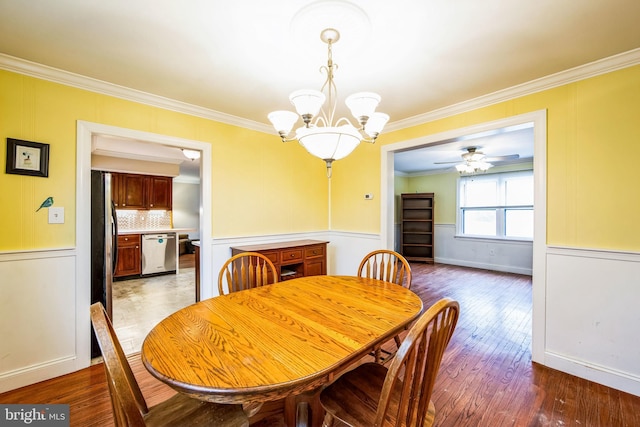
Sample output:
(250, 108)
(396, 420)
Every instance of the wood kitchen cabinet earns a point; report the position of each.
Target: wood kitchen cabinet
(128, 261)
(160, 192)
(292, 259)
(135, 191)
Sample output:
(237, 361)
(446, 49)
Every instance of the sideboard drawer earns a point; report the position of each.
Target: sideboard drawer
(291, 255)
(314, 251)
(273, 256)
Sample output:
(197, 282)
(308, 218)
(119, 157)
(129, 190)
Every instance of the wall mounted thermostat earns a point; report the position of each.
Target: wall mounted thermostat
(368, 196)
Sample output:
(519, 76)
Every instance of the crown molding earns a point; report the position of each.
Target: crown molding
(44, 72)
(592, 69)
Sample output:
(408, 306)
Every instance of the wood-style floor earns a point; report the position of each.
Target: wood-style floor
(486, 379)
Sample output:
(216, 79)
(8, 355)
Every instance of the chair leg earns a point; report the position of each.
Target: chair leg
(378, 355)
(328, 420)
(397, 340)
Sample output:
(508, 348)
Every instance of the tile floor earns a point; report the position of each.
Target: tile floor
(139, 304)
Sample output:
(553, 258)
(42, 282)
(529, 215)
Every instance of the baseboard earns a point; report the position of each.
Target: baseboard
(598, 374)
(485, 266)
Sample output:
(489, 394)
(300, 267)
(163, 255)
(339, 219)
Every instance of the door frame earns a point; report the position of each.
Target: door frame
(84, 136)
(539, 120)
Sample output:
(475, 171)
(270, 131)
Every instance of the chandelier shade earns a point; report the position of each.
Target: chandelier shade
(321, 135)
(329, 143)
(307, 101)
(283, 121)
(362, 105)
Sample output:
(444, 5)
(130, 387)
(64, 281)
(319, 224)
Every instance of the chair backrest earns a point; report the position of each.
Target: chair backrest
(386, 265)
(246, 270)
(416, 365)
(126, 398)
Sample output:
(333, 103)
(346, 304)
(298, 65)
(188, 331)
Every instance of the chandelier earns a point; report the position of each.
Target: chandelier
(320, 135)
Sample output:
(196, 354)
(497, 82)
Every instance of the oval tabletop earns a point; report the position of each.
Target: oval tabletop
(269, 342)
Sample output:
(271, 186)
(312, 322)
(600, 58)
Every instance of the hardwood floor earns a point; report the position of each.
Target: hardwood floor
(486, 379)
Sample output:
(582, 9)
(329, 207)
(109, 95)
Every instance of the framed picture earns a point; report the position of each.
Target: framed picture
(27, 158)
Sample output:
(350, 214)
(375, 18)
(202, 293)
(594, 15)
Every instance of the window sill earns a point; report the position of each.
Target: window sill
(519, 241)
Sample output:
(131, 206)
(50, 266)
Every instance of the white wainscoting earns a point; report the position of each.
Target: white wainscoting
(592, 316)
(498, 255)
(490, 254)
(37, 317)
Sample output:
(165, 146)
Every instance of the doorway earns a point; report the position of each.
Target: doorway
(85, 133)
(539, 120)
(139, 302)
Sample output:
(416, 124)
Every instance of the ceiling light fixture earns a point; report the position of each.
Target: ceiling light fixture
(191, 154)
(473, 166)
(320, 135)
(474, 162)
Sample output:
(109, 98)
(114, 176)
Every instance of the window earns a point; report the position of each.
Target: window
(496, 205)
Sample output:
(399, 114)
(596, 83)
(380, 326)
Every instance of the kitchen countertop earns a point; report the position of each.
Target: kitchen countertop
(155, 231)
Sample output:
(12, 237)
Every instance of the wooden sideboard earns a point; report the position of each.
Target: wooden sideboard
(292, 259)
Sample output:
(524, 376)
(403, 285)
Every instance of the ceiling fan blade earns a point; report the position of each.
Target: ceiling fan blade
(446, 163)
(501, 158)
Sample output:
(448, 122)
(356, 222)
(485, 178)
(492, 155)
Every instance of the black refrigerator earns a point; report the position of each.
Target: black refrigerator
(104, 241)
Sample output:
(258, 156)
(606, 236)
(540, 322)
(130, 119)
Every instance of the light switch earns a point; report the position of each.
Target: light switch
(56, 215)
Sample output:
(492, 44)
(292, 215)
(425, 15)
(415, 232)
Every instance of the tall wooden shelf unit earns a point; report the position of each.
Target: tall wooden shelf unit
(416, 241)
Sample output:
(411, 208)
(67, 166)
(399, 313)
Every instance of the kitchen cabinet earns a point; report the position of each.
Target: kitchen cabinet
(128, 256)
(294, 258)
(417, 227)
(160, 192)
(135, 191)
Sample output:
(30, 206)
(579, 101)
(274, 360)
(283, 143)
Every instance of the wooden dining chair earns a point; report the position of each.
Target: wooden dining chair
(128, 403)
(386, 265)
(390, 266)
(376, 396)
(246, 270)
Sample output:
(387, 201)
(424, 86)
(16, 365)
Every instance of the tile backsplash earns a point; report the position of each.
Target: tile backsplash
(143, 220)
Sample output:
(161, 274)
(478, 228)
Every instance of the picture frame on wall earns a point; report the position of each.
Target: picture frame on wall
(27, 158)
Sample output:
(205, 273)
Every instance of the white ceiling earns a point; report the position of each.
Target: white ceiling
(243, 58)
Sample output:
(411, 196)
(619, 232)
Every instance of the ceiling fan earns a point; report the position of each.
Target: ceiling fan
(473, 155)
(474, 161)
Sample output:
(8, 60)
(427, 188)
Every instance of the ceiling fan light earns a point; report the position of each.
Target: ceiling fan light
(362, 105)
(283, 121)
(483, 166)
(307, 101)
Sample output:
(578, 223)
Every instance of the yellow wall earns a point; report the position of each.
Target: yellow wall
(260, 185)
(593, 129)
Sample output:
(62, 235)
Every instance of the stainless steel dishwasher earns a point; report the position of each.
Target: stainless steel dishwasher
(158, 253)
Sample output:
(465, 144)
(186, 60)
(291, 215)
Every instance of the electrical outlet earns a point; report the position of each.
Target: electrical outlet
(368, 196)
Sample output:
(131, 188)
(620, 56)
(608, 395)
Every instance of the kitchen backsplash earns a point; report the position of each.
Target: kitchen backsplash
(143, 220)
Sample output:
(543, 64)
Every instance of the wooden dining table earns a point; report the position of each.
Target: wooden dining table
(276, 342)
